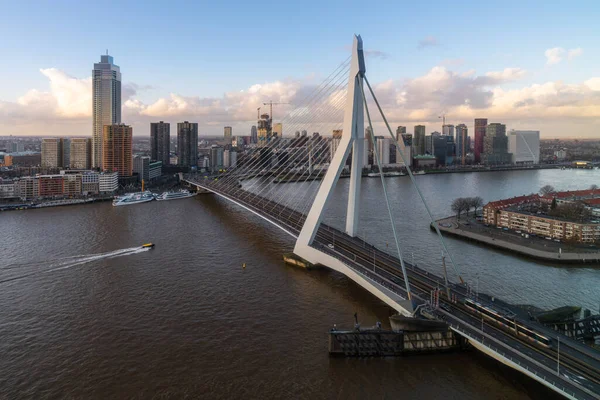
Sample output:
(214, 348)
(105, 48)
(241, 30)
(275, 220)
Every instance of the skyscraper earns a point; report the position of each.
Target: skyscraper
(448, 130)
(461, 143)
(160, 142)
(480, 127)
(337, 133)
(495, 145)
(106, 103)
(419, 140)
(81, 153)
(227, 134)
(253, 135)
(52, 153)
(187, 143)
(117, 149)
(400, 130)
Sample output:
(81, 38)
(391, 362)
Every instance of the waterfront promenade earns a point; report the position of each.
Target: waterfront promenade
(534, 247)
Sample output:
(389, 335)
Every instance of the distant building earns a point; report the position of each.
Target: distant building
(106, 103)
(448, 130)
(419, 140)
(227, 134)
(253, 135)
(187, 144)
(117, 149)
(524, 146)
(81, 153)
(278, 129)
(160, 142)
(264, 130)
(405, 139)
(337, 133)
(480, 128)
(424, 161)
(462, 147)
(383, 150)
(495, 145)
(333, 146)
(52, 153)
(560, 154)
(146, 169)
(216, 157)
(232, 159)
(400, 130)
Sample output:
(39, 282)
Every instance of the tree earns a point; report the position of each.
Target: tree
(477, 203)
(594, 187)
(573, 211)
(547, 190)
(468, 204)
(458, 206)
(553, 205)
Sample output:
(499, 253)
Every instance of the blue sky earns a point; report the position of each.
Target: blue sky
(207, 49)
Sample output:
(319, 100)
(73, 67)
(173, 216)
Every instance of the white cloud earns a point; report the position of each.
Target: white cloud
(66, 107)
(557, 54)
(575, 53)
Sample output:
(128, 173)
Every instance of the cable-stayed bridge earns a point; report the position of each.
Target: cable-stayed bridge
(260, 184)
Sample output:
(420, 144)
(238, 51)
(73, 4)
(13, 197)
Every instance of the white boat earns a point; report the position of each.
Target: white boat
(419, 173)
(180, 194)
(134, 198)
(387, 174)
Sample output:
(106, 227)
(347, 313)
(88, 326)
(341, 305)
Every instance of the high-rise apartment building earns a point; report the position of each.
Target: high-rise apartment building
(160, 142)
(253, 135)
(52, 153)
(405, 139)
(106, 103)
(227, 134)
(419, 140)
(461, 143)
(216, 157)
(383, 150)
(337, 133)
(400, 130)
(448, 130)
(480, 127)
(117, 149)
(524, 146)
(495, 145)
(187, 144)
(81, 153)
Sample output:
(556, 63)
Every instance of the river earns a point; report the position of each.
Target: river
(85, 314)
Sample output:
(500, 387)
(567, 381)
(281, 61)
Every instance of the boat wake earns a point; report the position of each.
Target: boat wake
(66, 262)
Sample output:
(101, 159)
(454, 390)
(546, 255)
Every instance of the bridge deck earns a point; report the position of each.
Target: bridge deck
(579, 375)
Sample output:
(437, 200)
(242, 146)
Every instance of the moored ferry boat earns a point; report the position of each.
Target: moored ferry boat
(180, 194)
(134, 198)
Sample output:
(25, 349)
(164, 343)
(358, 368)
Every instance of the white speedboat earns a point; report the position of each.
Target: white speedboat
(134, 198)
(180, 194)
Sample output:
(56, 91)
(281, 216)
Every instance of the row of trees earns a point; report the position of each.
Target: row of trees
(466, 204)
(547, 189)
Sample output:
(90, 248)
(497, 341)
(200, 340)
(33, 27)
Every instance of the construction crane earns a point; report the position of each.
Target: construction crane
(270, 103)
(258, 113)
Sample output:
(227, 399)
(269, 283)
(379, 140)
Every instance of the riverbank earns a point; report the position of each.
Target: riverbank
(51, 203)
(537, 248)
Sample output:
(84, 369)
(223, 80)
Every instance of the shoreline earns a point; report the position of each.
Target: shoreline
(449, 226)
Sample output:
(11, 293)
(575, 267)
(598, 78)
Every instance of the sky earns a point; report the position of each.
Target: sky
(528, 64)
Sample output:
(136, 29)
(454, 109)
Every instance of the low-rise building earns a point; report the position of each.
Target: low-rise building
(108, 182)
(424, 161)
(9, 190)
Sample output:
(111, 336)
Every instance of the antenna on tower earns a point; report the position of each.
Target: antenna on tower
(106, 51)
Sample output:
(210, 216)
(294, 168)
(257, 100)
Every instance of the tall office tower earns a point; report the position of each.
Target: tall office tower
(337, 133)
(407, 140)
(227, 134)
(52, 153)
(400, 130)
(278, 129)
(216, 157)
(117, 149)
(187, 143)
(160, 142)
(419, 140)
(81, 153)
(264, 130)
(106, 103)
(448, 130)
(461, 143)
(524, 146)
(383, 150)
(253, 135)
(495, 145)
(480, 127)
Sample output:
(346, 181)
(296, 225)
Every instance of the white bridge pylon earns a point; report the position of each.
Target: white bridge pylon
(352, 138)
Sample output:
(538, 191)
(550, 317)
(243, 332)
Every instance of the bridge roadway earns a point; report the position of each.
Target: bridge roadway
(579, 372)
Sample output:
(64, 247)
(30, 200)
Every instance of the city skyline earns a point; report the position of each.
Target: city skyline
(546, 83)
